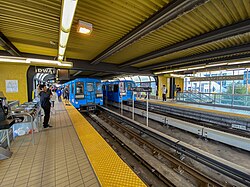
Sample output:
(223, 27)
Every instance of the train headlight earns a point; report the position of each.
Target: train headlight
(79, 96)
(99, 95)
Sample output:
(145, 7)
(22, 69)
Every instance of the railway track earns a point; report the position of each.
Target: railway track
(206, 120)
(135, 130)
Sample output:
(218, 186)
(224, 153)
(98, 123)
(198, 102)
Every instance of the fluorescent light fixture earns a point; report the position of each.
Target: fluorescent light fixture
(177, 70)
(162, 72)
(13, 60)
(68, 11)
(41, 61)
(66, 64)
(176, 75)
(239, 62)
(63, 38)
(84, 27)
(200, 67)
(34, 61)
(61, 51)
(213, 65)
(60, 57)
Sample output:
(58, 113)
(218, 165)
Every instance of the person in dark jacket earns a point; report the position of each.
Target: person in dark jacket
(45, 104)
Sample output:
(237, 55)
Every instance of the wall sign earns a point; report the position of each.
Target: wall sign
(45, 70)
(11, 86)
(217, 78)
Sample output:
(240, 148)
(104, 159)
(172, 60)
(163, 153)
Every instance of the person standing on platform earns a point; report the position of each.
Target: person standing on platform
(59, 94)
(66, 95)
(45, 104)
(164, 92)
(178, 90)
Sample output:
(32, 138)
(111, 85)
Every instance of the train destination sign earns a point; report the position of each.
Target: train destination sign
(217, 78)
(142, 89)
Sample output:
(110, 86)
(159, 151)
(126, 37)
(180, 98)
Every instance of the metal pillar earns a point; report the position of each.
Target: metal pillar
(147, 108)
(121, 106)
(133, 106)
(247, 82)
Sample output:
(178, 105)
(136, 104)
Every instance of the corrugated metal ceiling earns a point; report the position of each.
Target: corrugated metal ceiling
(224, 43)
(111, 21)
(31, 26)
(210, 16)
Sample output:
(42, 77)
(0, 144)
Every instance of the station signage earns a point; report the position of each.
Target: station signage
(142, 89)
(217, 78)
(45, 70)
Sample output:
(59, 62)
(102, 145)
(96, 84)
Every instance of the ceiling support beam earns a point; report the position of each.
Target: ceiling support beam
(77, 73)
(8, 46)
(240, 57)
(102, 67)
(160, 18)
(202, 57)
(225, 32)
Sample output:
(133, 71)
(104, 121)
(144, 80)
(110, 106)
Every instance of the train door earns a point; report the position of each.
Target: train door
(98, 92)
(129, 86)
(72, 92)
(90, 94)
(122, 91)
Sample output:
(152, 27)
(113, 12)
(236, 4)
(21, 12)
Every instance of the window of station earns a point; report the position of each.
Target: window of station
(79, 88)
(90, 87)
(240, 84)
(98, 87)
(142, 81)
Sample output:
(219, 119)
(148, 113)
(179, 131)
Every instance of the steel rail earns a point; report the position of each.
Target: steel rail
(198, 175)
(188, 150)
(159, 109)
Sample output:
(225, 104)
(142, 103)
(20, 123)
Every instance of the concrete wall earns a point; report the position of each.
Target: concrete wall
(14, 72)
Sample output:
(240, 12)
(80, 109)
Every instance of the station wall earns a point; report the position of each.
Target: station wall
(14, 72)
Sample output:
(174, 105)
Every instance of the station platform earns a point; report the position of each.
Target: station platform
(71, 153)
(205, 108)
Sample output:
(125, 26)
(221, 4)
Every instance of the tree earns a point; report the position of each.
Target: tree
(239, 88)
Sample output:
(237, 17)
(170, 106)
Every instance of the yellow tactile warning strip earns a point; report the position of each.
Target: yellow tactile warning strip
(201, 109)
(108, 166)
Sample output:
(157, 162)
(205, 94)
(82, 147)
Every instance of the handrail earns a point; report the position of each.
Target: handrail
(221, 99)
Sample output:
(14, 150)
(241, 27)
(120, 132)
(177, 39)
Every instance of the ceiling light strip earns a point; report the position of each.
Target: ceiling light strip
(67, 15)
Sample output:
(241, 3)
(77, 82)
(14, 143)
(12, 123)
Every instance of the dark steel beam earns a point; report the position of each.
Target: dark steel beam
(206, 62)
(225, 32)
(201, 57)
(8, 46)
(101, 67)
(160, 18)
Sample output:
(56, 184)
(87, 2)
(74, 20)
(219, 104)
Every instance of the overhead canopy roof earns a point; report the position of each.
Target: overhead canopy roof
(131, 36)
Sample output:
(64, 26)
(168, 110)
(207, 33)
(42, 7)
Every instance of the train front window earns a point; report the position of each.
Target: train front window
(98, 87)
(130, 86)
(79, 88)
(116, 88)
(90, 87)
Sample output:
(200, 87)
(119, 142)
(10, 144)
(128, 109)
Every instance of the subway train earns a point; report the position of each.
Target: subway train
(85, 93)
(118, 91)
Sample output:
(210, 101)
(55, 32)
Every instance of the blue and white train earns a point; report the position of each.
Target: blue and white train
(85, 93)
(118, 91)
